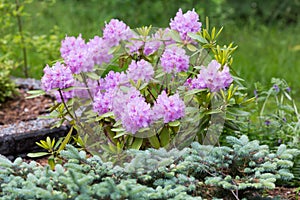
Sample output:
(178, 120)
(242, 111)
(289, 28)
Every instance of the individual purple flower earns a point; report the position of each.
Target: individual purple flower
(174, 59)
(288, 89)
(284, 119)
(255, 94)
(99, 50)
(57, 77)
(140, 70)
(185, 23)
(276, 88)
(76, 55)
(169, 108)
(115, 31)
(103, 101)
(267, 122)
(133, 111)
(212, 78)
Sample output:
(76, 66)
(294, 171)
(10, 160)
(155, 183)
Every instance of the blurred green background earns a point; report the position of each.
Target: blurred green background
(266, 32)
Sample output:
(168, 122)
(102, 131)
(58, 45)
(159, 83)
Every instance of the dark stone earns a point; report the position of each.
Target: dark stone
(6, 145)
(20, 144)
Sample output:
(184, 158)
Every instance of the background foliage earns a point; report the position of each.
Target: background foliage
(265, 31)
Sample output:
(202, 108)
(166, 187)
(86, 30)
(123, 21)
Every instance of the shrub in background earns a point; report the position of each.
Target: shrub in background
(20, 45)
(7, 87)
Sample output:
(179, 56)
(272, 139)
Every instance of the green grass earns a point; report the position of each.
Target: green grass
(266, 52)
(263, 52)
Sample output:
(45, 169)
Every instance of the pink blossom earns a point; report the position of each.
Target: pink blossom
(175, 60)
(169, 108)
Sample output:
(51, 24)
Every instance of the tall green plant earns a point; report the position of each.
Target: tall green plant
(17, 43)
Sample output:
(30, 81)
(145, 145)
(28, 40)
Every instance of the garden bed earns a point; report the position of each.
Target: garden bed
(20, 126)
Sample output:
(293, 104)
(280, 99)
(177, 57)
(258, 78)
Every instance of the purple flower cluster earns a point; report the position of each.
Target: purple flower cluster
(99, 49)
(211, 77)
(132, 109)
(112, 80)
(58, 77)
(115, 31)
(140, 70)
(169, 108)
(175, 60)
(107, 90)
(81, 57)
(76, 55)
(134, 112)
(103, 101)
(185, 23)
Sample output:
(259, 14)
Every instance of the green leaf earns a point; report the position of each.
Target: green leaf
(197, 37)
(49, 143)
(92, 75)
(175, 36)
(37, 154)
(105, 115)
(118, 129)
(114, 49)
(110, 148)
(58, 143)
(154, 141)
(137, 143)
(194, 91)
(119, 134)
(174, 123)
(219, 32)
(66, 140)
(51, 162)
(35, 93)
(191, 47)
(144, 85)
(164, 136)
(43, 144)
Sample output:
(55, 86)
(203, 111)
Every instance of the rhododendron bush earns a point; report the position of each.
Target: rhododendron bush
(146, 87)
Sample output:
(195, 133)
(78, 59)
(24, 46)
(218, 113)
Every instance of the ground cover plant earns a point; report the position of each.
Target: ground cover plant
(242, 170)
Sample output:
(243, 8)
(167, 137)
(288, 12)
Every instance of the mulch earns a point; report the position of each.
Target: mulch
(19, 108)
